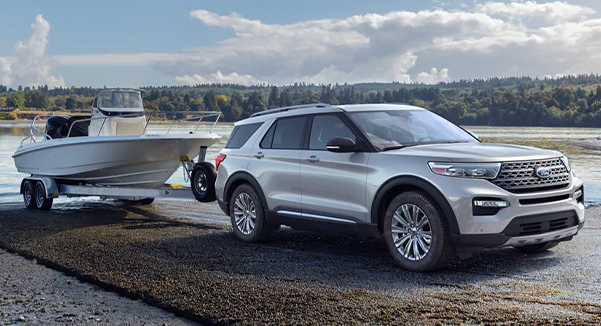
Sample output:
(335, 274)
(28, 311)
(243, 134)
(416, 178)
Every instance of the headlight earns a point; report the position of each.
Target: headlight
(466, 170)
(566, 163)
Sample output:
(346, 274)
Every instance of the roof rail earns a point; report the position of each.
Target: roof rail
(287, 108)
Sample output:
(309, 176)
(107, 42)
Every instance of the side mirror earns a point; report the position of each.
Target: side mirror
(473, 134)
(341, 145)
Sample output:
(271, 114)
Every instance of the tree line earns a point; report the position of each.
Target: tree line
(571, 101)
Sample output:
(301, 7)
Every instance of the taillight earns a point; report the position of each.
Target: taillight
(218, 160)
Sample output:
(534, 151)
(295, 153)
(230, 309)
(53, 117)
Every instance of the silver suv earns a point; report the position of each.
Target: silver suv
(431, 189)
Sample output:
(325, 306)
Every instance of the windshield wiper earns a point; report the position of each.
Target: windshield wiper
(389, 148)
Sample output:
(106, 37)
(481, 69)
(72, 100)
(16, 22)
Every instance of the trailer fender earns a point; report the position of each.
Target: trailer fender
(49, 185)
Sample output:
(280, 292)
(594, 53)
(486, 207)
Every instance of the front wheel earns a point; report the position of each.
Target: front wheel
(248, 216)
(416, 234)
(203, 182)
(536, 248)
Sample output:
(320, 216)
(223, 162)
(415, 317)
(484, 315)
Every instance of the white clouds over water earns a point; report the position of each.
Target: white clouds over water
(30, 66)
(481, 40)
(477, 39)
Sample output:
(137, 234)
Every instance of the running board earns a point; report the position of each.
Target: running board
(318, 217)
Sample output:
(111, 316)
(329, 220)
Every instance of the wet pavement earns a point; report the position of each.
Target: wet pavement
(182, 257)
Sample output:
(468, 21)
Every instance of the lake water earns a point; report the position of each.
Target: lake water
(585, 166)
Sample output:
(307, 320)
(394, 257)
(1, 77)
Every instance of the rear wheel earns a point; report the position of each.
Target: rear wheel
(203, 182)
(28, 196)
(41, 201)
(536, 248)
(248, 216)
(416, 234)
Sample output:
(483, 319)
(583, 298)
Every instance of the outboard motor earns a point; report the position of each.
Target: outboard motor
(56, 127)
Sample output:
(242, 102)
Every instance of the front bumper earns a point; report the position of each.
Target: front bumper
(477, 242)
(512, 225)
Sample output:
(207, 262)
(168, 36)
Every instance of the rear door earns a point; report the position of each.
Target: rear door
(274, 162)
(333, 184)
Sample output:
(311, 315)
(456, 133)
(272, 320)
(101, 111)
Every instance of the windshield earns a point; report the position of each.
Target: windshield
(393, 128)
(119, 99)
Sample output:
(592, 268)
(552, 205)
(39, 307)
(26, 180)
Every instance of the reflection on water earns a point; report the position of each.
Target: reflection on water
(585, 166)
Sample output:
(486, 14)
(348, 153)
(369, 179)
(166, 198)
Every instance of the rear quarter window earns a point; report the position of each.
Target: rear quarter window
(241, 134)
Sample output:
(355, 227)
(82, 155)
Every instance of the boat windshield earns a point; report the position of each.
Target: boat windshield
(122, 99)
(392, 129)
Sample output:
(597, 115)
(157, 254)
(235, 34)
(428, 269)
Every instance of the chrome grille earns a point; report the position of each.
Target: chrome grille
(520, 176)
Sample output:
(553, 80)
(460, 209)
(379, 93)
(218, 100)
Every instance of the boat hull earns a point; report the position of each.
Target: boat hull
(131, 160)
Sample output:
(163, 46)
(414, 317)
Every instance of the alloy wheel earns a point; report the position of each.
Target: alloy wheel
(411, 232)
(245, 213)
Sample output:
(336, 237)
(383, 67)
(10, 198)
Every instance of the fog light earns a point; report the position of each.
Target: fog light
(578, 193)
(491, 203)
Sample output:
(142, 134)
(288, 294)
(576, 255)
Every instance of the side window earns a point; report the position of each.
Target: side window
(285, 134)
(241, 134)
(268, 139)
(326, 127)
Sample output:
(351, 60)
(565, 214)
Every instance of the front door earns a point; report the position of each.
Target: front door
(333, 184)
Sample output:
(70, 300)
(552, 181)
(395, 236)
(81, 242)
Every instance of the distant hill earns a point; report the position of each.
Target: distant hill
(507, 101)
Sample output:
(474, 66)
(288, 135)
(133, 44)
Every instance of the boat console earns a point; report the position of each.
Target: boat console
(125, 108)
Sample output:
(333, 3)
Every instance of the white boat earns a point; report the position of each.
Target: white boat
(111, 147)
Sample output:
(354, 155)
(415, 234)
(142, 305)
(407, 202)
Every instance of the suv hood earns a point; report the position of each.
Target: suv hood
(477, 152)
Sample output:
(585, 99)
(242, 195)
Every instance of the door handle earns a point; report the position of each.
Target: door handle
(259, 155)
(313, 159)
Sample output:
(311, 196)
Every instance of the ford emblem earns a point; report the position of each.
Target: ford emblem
(543, 172)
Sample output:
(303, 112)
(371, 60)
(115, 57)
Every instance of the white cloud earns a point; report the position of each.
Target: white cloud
(218, 78)
(552, 11)
(434, 76)
(30, 66)
(479, 39)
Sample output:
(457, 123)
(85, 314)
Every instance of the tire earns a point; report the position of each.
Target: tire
(41, 202)
(202, 182)
(247, 228)
(415, 253)
(536, 248)
(28, 194)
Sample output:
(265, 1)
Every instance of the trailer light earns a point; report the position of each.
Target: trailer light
(184, 158)
(491, 203)
(220, 158)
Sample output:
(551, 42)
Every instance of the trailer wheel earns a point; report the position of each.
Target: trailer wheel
(28, 197)
(41, 201)
(203, 182)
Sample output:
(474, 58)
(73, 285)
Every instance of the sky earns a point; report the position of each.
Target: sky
(138, 43)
